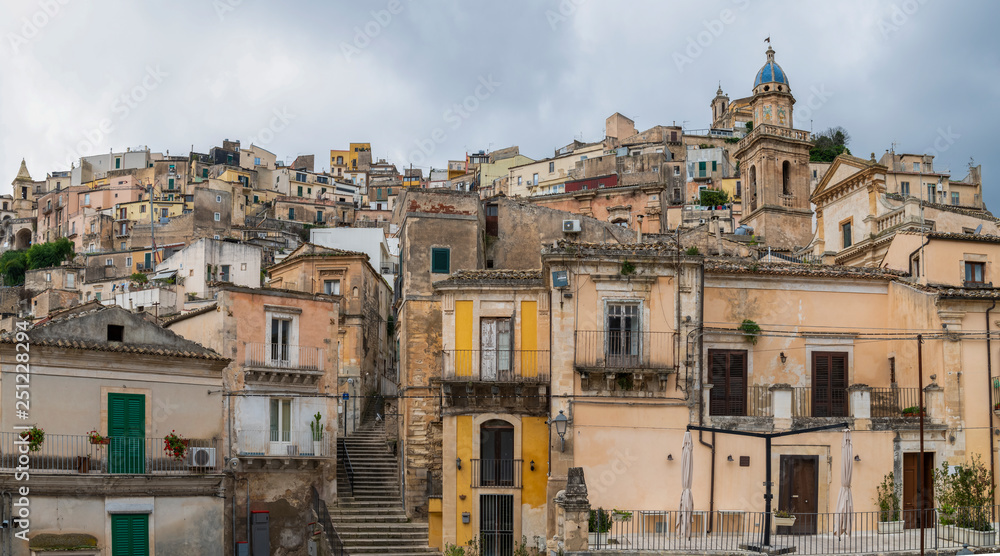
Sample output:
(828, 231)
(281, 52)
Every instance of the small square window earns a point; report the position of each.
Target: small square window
(116, 333)
(331, 287)
(975, 272)
(218, 198)
(441, 260)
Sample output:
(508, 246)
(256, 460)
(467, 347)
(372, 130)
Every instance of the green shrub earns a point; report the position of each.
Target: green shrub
(751, 330)
(691, 251)
(886, 499)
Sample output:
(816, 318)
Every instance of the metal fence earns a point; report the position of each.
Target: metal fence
(895, 402)
(726, 531)
(279, 442)
(283, 356)
(497, 365)
(624, 349)
(64, 453)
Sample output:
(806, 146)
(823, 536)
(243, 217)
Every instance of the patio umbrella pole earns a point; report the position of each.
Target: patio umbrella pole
(767, 462)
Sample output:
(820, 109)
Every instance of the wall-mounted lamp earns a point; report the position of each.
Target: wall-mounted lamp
(783, 358)
(857, 458)
(730, 458)
(532, 465)
(561, 421)
(670, 457)
(458, 463)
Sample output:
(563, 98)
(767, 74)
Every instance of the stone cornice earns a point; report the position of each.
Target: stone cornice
(80, 485)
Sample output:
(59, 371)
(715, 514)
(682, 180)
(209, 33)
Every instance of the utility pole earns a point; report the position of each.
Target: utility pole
(920, 462)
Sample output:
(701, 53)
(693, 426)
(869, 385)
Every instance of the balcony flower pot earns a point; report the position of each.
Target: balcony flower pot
(317, 447)
(976, 538)
(783, 521)
(890, 527)
(620, 516)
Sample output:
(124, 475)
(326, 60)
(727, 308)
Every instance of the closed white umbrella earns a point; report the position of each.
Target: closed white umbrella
(686, 512)
(845, 503)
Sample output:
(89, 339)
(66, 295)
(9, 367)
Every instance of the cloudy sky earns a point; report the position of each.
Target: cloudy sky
(425, 82)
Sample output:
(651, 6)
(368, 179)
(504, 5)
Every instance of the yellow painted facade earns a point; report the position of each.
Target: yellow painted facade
(139, 210)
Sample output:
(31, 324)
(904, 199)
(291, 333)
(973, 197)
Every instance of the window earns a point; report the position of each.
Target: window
(534, 179)
(299, 190)
(218, 198)
(129, 534)
(204, 173)
(622, 330)
(170, 183)
(243, 266)
(142, 208)
(829, 384)
(814, 174)
(256, 161)
(322, 179)
(224, 273)
(217, 217)
(954, 197)
(677, 170)
(519, 180)
(48, 276)
(786, 175)
(331, 287)
(128, 262)
(299, 176)
(86, 199)
(930, 192)
(291, 213)
(116, 333)
(714, 167)
(701, 169)
(552, 167)
(975, 272)
(70, 281)
(904, 188)
(109, 262)
(118, 162)
(496, 343)
(164, 213)
(309, 191)
(281, 420)
(319, 216)
(441, 260)
(916, 166)
(122, 245)
(845, 233)
(281, 332)
(256, 199)
(729, 382)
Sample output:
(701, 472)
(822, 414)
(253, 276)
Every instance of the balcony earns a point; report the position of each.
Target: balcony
(498, 365)
(895, 402)
(261, 448)
(612, 351)
(496, 473)
(62, 453)
(283, 363)
(475, 381)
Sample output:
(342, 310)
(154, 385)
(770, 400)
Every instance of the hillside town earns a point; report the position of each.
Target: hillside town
(667, 339)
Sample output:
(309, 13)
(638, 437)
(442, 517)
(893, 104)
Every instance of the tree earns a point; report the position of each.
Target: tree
(713, 197)
(829, 144)
(53, 253)
(12, 267)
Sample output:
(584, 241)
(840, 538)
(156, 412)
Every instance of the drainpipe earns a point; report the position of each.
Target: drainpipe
(989, 379)
(909, 259)
(698, 392)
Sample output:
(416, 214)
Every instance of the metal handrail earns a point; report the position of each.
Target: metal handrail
(348, 467)
(335, 543)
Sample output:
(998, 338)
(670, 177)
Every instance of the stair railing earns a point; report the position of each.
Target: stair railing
(348, 467)
(334, 542)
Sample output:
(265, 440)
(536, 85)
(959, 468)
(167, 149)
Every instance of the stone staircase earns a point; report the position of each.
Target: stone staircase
(371, 520)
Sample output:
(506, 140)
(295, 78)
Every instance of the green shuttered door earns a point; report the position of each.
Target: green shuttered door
(127, 429)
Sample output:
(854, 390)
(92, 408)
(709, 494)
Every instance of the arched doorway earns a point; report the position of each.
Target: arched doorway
(22, 239)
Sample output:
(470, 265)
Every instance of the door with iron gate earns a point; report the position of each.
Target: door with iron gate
(496, 524)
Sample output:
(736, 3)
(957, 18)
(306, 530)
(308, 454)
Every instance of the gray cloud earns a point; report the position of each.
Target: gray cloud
(899, 71)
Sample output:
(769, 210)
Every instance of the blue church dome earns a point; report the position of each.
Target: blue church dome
(771, 72)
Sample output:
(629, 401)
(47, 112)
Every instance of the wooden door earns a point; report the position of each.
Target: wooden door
(798, 493)
(913, 490)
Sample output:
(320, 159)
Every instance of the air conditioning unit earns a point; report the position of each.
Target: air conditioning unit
(571, 226)
(201, 457)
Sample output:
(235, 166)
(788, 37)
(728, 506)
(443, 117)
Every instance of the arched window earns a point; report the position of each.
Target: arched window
(786, 172)
(753, 188)
(496, 453)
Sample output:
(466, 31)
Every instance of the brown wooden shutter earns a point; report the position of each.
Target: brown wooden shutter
(838, 384)
(821, 385)
(729, 382)
(829, 384)
(717, 401)
(737, 395)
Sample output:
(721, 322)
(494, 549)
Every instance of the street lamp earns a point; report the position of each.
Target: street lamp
(561, 421)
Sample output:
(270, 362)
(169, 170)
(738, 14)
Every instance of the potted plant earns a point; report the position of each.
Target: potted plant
(888, 506)
(912, 411)
(98, 440)
(175, 445)
(317, 434)
(620, 515)
(600, 524)
(971, 491)
(946, 516)
(782, 518)
(34, 437)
